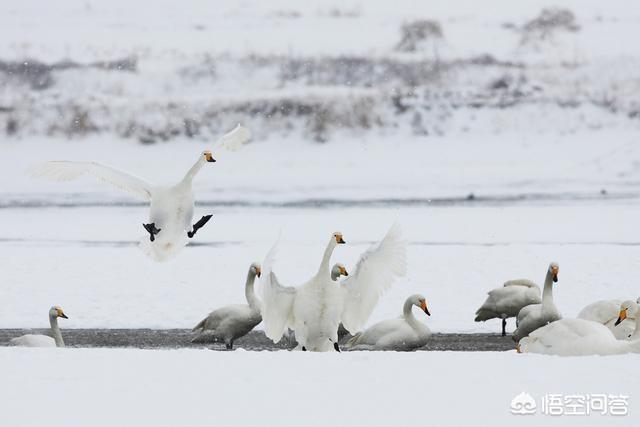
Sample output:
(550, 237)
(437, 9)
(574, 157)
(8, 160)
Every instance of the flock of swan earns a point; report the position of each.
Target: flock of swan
(328, 312)
(601, 328)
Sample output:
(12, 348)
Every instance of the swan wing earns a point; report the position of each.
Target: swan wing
(375, 272)
(67, 171)
(32, 340)
(277, 307)
(601, 311)
(234, 139)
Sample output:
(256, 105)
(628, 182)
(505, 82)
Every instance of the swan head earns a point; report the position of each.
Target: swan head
(420, 301)
(337, 271)
(627, 308)
(554, 268)
(337, 236)
(255, 269)
(56, 311)
(208, 156)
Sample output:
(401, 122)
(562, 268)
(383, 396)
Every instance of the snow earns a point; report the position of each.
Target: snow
(203, 388)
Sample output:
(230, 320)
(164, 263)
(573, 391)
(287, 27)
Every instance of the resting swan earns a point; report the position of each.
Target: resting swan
(315, 309)
(231, 322)
(54, 337)
(508, 300)
(535, 316)
(403, 334)
(606, 312)
(579, 337)
(171, 213)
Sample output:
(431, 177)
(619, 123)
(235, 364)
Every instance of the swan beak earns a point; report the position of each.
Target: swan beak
(208, 157)
(554, 272)
(64, 316)
(423, 306)
(343, 271)
(340, 240)
(258, 272)
(623, 315)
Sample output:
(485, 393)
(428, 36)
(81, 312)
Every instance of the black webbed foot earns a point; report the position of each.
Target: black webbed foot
(336, 347)
(152, 230)
(198, 225)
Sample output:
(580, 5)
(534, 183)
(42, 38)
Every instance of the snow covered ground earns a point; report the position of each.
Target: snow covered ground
(103, 387)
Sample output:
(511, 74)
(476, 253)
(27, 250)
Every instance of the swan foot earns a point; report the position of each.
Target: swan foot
(336, 347)
(229, 345)
(198, 225)
(152, 230)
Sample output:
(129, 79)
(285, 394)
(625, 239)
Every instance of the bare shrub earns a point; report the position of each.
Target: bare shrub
(547, 24)
(415, 34)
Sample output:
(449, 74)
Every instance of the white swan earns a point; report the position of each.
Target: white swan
(231, 322)
(54, 337)
(403, 334)
(535, 316)
(171, 213)
(579, 337)
(508, 300)
(606, 312)
(315, 309)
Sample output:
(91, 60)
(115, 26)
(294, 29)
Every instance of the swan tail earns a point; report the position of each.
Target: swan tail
(200, 326)
(483, 315)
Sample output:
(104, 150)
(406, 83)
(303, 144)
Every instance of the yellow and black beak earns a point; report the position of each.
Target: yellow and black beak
(622, 316)
(340, 240)
(343, 271)
(423, 306)
(554, 272)
(209, 157)
(61, 313)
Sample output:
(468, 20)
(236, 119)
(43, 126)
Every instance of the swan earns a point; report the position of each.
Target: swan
(580, 337)
(508, 300)
(403, 334)
(171, 212)
(231, 322)
(606, 312)
(53, 337)
(315, 309)
(535, 316)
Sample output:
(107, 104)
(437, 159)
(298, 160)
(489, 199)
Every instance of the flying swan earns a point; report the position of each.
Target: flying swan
(315, 309)
(507, 301)
(53, 337)
(231, 322)
(403, 334)
(171, 213)
(579, 337)
(535, 316)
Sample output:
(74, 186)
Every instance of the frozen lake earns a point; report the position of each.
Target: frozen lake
(86, 259)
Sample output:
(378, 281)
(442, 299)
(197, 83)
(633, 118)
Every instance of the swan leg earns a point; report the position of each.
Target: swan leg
(198, 225)
(504, 327)
(229, 344)
(304, 348)
(152, 230)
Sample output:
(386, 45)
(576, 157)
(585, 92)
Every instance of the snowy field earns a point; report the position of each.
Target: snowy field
(499, 144)
(203, 388)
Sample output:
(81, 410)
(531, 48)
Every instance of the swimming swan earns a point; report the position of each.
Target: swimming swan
(315, 309)
(171, 212)
(231, 322)
(403, 334)
(579, 337)
(54, 337)
(507, 301)
(535, 316)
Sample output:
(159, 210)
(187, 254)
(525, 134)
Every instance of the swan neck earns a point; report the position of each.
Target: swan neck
(194, 170)
(407, 312)
(55, 330)
(249, 291)
(547, 292)
(324, 265)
